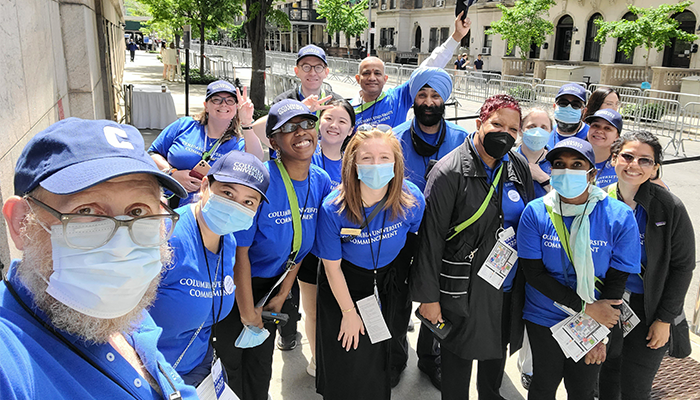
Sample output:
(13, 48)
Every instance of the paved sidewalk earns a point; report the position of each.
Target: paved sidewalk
(290, 380)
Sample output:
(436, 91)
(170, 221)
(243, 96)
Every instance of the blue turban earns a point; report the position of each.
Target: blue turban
(436, 78)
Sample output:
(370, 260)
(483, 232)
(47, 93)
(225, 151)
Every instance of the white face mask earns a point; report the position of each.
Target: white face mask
(106, 282)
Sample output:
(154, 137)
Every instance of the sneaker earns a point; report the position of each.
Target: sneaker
(526, 380)
(434, 373)
(311, 368)
(395, 375)
(288, 343)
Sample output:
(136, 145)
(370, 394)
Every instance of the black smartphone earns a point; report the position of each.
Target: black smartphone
(441, 329)
(463, 5)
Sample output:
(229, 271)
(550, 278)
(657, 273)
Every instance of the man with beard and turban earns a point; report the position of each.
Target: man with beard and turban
(474, 196)
(424, 139)
(93, 232)
(569, 106)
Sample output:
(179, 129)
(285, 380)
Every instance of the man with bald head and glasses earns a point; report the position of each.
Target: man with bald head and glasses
(88, 218)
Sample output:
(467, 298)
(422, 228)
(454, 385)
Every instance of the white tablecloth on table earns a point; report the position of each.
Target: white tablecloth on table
(151, 108)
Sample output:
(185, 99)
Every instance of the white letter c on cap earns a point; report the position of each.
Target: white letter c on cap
(111, 134)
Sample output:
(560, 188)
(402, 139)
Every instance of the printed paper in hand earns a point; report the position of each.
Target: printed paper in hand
(628, 318)
(501, 259)
(373, 319)
(578, 334)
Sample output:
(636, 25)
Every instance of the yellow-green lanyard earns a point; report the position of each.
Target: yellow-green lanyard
(464, 225)
(294, 208)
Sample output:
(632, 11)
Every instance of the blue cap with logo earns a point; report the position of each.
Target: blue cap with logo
(573, 89)
(75, 154)
(573, 144)
(283, 111)
(312, 50)
(242, 168)
(221, 86)
(609, 115)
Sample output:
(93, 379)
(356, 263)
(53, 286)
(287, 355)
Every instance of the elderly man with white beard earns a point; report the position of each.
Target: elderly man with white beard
(88, 218)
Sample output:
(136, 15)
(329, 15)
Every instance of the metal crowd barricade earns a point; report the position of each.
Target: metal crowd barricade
(689, 125)
(558, 83)
(521, 91)
(657, 115)
(530, 80)
(623, 91)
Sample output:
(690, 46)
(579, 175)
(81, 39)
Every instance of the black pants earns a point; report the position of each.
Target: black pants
(427, 349)
(550, 365)
(631, 375)
(133, 54)
(403, 305)
(291, 308)
(456, 374)
(249, 370)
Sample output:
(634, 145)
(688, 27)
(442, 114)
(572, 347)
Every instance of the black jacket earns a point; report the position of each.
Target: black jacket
(446, 271)
(670, 248)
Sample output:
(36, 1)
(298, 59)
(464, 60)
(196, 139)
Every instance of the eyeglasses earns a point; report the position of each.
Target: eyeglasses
(576, 105)
(318, 68)
(367, 128)
(290, 127)
(612, 104)
(87, 231)
(643, 162)
(218, 100)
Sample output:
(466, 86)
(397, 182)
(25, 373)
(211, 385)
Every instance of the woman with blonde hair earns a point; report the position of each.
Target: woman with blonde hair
(363, 226)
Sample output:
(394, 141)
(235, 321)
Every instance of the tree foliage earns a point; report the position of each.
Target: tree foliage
(343, 17)
(653, 28)
(522, 25)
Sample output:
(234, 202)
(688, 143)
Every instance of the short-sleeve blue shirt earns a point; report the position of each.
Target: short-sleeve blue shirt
(390, 108)
(606, 174)
(270, 237)
(357, 251)
(635, 284)
(186, 285)
(183, 142)
(35, 364)
(557, 137)
(332, 167)
(614, 244)
(416, 165)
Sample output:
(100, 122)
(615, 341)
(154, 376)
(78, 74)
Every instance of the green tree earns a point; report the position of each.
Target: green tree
(341, 16)
(522, 25)
(654, 28)
(201, 14)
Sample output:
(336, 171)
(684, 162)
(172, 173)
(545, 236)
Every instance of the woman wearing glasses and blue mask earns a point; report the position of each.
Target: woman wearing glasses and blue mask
(362, 229)
(186, 148)
(269, 252)
(200, 279)
(576, 247)
(656, 295)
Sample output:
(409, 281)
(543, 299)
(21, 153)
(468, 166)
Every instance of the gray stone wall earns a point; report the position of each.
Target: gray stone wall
(53, 66)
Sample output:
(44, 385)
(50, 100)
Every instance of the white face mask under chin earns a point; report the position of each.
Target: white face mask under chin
(106, 282)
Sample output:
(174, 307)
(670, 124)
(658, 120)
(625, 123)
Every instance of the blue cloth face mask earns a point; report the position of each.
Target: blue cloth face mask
(569, 183)
(536, 138)
(375, 176)
(567, 115)
(251, 336)
(224, 216)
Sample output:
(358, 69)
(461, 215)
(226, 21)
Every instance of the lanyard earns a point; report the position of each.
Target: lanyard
(464, 225)
(211, 282)
(375, 261)
(294, 207)
(214, 147)
(364, 106)
(301, 97)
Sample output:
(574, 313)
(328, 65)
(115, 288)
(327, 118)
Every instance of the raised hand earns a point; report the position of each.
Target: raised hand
(245, 107)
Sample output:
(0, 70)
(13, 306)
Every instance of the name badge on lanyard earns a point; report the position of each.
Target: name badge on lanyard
(500, 260)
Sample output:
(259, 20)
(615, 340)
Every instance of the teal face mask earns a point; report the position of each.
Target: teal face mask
(224, 216)
(536, 138)
(375, 176)
(569, 183)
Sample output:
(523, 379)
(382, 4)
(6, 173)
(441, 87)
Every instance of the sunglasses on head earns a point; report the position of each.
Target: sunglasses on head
(643, 162)
(290, 127)
(367, 128)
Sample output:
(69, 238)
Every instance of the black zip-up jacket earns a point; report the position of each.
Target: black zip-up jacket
(446, 271)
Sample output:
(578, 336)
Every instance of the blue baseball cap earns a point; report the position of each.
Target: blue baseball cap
(283, 111)
(573, 144)
(242, 168)
(573, 89)
(75, 154)
(609, 115)
(221, 86)
(312, 50)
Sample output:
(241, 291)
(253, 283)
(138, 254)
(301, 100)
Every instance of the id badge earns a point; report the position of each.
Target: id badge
(217, 376)
(500, 260)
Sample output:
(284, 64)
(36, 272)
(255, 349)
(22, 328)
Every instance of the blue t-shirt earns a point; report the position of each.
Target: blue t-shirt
(333, 167)
(187, 285)
(183, 142)
(416, 165)
(556, 137)
(614, 244)
(606, 174)
(35, 364)
(634, 282)
(364, 250)
(270, 237)
(546, 167)
(391, 107)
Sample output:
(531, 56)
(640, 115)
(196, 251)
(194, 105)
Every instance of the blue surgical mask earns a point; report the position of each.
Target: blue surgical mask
(567, 115)
(251, 336)
(536, 138)
(375, 176)
(569, 183)
(224, 216)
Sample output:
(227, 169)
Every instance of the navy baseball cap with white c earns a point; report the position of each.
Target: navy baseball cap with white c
(242, 168)
(75, 154)
(612, 116)
(573, 89)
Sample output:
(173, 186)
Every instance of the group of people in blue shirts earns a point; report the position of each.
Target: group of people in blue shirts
(365, 212)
